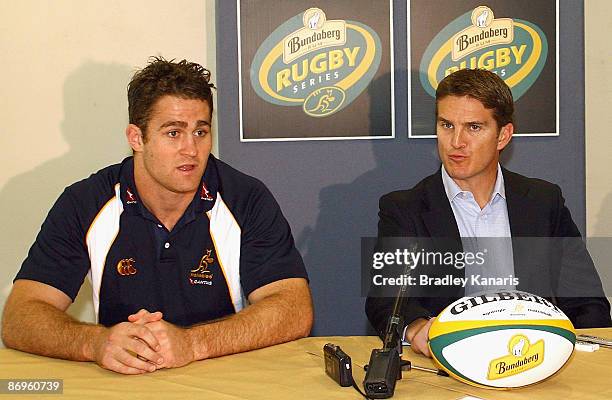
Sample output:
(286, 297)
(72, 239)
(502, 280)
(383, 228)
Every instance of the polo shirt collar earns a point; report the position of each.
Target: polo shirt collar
(203, 200)
(453, 190)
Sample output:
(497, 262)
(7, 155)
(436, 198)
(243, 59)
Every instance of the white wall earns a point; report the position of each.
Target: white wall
(598, 137)
(598, 90)
(63, 108)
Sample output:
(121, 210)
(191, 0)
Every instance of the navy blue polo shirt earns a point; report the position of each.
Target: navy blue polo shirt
(231, 240)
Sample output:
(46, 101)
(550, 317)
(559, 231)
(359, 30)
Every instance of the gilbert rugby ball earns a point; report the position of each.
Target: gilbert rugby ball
(501, 340)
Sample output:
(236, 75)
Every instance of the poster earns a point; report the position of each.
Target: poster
(518, 40)
(315, 70)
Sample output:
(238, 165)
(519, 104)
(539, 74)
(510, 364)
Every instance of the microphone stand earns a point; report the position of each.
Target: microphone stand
(385, 366)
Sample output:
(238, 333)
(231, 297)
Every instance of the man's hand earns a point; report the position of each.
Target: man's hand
(143, 317)
(277, 312)
(126, 347)
(417, 334)
(35, 320)
(176, 347)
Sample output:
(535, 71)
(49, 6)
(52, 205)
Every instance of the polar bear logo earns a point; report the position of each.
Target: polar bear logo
(313, 22)
(517, 350)
(481, 20)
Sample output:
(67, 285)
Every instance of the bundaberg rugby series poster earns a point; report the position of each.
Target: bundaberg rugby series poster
(515, 39)
(315, 70)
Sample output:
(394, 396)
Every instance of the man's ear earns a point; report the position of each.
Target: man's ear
(505, 135)
(134, 137)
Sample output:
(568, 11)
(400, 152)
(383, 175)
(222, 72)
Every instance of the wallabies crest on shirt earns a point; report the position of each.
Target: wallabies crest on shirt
(205, 261)
(201, 275)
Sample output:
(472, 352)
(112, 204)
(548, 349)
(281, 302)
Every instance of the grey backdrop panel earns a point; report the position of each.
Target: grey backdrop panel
(329, 190)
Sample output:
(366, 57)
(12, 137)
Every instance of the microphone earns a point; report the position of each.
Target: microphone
(384, 368)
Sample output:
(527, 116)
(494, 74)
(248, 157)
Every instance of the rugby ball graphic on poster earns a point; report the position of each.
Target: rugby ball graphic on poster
(501, 340)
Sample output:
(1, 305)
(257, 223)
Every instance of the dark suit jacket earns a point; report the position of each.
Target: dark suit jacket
(536, 208)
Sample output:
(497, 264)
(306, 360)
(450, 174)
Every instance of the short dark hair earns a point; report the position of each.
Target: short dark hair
(482, 85)
(160, 78)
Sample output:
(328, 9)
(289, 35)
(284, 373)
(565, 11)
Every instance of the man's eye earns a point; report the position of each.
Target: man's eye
(446, 125)
(173, 134)
(475, 127)
(200, 133)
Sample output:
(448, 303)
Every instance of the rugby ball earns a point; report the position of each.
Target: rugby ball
(501, 340)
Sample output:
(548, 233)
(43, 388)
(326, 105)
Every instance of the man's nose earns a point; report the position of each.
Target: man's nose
(188, 145)
(458, 139)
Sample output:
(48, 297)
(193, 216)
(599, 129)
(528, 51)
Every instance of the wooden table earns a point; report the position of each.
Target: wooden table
(294, 371)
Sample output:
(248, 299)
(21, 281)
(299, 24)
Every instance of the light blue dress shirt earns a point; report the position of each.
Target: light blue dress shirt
(483, 230)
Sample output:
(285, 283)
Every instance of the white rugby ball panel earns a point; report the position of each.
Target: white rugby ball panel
(510, 305)
(472, 357)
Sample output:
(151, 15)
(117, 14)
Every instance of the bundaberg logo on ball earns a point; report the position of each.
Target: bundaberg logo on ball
(514, 49)
(522, 356)
(319, 64)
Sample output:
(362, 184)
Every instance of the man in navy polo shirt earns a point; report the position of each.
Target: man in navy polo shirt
(188, 258)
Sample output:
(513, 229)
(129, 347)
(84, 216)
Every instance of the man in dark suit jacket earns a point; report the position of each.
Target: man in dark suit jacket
(474, 113)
